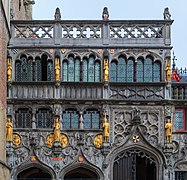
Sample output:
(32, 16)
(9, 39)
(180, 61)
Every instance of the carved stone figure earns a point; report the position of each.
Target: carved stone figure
(9, 130)
(168, 128)
(57, 69)
(106, 128)
(106, 70)
(105, 14)
(57, 130)
(167, 14)
(9, 70)
(168, 73)
(57, 14)
(50, 140)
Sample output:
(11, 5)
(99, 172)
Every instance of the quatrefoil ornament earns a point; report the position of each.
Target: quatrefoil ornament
(136, 138)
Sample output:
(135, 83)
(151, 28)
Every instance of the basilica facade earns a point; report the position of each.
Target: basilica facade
(95, 99)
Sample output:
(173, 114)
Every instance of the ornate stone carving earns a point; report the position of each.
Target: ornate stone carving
(16, 140)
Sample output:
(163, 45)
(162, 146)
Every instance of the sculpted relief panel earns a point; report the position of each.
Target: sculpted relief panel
(150, 125)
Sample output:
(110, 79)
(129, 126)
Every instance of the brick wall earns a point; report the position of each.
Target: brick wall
(4, 172)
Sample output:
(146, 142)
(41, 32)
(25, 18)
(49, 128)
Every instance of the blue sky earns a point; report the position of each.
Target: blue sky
(123, 9)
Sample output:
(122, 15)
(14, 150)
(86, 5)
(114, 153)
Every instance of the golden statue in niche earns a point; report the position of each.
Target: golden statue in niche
(57, 69)
(9, 130)
(106, 128)
(106, 70)
(168, 72)
(168, 128)
(57, 130)
(16, 140)
(98, 141)
(9, 69)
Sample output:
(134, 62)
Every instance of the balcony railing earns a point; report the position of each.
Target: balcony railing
(91, 32)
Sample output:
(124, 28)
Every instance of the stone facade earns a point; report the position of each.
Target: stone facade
(68, 76)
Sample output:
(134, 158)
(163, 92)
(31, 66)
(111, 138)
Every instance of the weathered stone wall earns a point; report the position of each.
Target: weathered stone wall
(20, 10)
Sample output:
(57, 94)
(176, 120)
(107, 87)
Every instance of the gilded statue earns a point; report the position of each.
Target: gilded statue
(50, 140)
(9, 70)
(57, 130)
(98, 140)
(168, 128)
(57, 69)
(16, 140)
(106, 70)
(9, 130)
(64, 140)
(168, 73)
(106, 128)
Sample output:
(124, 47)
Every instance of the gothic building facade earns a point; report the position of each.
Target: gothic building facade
(94, 100)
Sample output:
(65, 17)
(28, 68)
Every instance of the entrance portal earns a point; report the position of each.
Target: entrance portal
(81, 174)
(33, 174)
(135, 165)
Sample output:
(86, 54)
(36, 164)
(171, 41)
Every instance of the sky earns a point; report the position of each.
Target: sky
(124, 10)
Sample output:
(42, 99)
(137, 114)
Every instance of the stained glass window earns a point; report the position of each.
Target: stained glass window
(24, 65)
(71, 69)
(97, 71)
(180, 175)
(180, 118)
(139, 71)
(85, 70)
(77, 70)
(91, 69)
(113, 71)
(70, 119)
(38, 68)
(29, 70)
(91, 119)
(130, 70)
(65, 71)
(23, 118)
(148, 70)
(156, 72)
(49, 71)
(44, 118)
(121, 71)
(18, 71)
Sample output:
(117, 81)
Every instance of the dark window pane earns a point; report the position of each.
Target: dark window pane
(148, 70)
(157, 72)
(113, 72)
(121, 76)
(179, 119)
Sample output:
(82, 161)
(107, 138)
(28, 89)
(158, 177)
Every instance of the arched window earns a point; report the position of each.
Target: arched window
(91, 119)
(148, 69)
(65, 71)
(97, 71)
(18, 71)
(23, 118)
(91, 71)
(139, 71)
(113, 71)
(156, 72)
(121, 70)
(71, 69)
(24, 69)
(130, 70)
(39, 70)
(85, 70)
(77, 70)
(70, 119)
(44, 118)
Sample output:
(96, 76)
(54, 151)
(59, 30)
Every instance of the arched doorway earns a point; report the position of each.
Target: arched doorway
(34, 173)
(81, 174)
(134, 165)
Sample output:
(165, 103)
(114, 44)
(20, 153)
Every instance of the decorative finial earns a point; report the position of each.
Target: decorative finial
(167, 15)
(105, 14)
(174, 64)
(57, 14)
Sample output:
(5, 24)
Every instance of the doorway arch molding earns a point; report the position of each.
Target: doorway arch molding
(153, 154)
(38, 165)
(86, 166)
